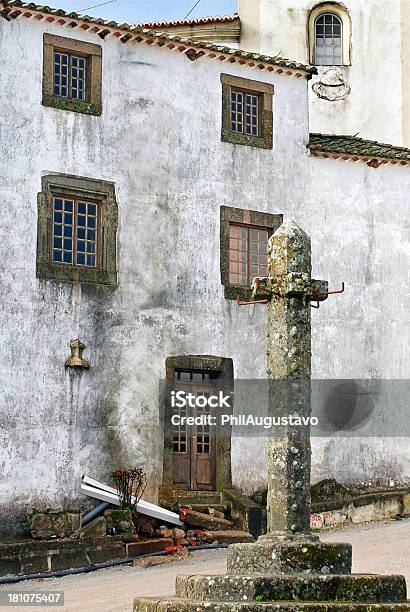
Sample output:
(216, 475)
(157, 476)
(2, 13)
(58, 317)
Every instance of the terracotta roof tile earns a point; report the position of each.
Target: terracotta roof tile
(340, 145)
(154, 25)
(9, 9)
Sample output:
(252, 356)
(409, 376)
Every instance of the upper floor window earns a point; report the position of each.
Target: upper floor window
(247, 116)
(328, 40)
(245, 110)
(72, 75)
(77, 228)
(76, 239)
(244, 245)
(247, 253)
(329, 35)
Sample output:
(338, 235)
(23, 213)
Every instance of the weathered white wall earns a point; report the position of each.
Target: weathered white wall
(380, 89)
(159, 140)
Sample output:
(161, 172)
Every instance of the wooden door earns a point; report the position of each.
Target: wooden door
(193, 458)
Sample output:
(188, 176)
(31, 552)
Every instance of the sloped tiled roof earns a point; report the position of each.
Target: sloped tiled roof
(154, 25)
(15, 9)
(351, 147)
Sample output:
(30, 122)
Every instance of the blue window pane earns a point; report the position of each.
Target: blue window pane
(91, 209)
(58, 204)
(56, 90)
(64, 91)
(254, 131)
(68, 245)
(90, 234)
(67, 258)
(90, 260)
(63, 80)
(57, 57)
(58, 217)
(81, 246)
(68, 231)
(90, 247)
(56, 79)
(81, 232)
(74, 94)
(57, 256)
(57, 243)
(64, 59)
(74, 83)
(82, 208)
(80, 259)
(64, 69)
(68, 206)
(81, 220)
(74, 72)
(68, 218)
(81, 74)
(82, 63)
(58, 230)
(91, 222)
(74, 61)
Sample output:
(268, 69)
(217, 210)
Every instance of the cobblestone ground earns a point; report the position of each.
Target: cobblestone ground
(382, 548)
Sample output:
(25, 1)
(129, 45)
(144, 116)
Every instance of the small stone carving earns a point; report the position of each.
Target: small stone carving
(331, 86)
(76, 360)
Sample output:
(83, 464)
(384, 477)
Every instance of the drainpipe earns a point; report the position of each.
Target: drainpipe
(87, 518)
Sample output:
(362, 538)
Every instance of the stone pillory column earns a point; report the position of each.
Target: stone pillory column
(287, 569)
(288, 362)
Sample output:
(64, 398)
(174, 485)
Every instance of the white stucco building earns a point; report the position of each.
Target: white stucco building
(360, 47)
(144, 175)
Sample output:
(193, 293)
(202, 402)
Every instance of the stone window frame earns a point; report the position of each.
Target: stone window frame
(342, 13)
(230, 215)
(93, 54)
(265, 91)
(223, 366)
(71, 186)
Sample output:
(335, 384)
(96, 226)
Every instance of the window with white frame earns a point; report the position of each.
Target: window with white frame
(328, 40)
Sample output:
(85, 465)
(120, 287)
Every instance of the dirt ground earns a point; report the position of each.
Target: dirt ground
(382, 548)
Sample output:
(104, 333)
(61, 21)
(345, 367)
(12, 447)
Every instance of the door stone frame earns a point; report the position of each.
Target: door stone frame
(223, 366)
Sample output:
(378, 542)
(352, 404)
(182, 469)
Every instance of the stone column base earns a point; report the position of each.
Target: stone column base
(289, 557)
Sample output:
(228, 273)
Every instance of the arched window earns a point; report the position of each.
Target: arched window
(328, 40)
(329, 35)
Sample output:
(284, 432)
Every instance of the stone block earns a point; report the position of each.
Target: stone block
(68, 559)
(227, 537)
(34, 564)
(10, 566)
(181, 555)
(204, 521)
(290, 557)
(359, 588)
(119, 519)
(96, 529)
(153, 604)
(109, 551)
(48, 523)
(145, 547)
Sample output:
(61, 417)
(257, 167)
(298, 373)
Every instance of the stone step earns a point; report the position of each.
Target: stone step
(204, 508)
(176, 604)
(335, 588)
(207, 498)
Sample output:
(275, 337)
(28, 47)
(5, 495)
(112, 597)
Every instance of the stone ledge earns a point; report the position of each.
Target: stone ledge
(289, 558)
(190, 605)
(368, 588)
(32, 557)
